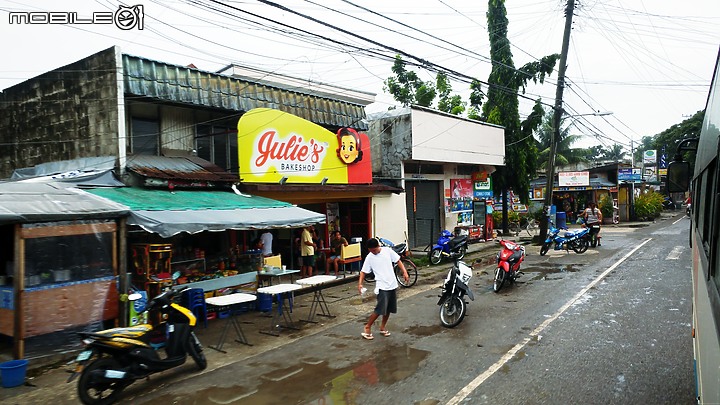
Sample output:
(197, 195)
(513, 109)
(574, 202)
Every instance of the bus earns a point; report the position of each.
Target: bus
(704, 185)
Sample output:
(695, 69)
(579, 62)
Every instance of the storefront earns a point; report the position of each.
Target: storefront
(60, 252)
(287, 158)
(187, 236)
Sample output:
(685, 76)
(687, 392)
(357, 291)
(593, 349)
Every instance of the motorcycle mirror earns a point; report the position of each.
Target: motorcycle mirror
(134, 296)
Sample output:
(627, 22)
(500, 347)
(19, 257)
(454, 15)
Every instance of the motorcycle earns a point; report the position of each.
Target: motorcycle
(452, 298)
(115, 358)
(688, 209)
(592, 236)
(402, 250)
(448, 246)
(508, 263)
(577, 240)
(668, 203)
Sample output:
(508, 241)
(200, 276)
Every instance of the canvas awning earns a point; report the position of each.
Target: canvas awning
(45, 202)
(169, 213)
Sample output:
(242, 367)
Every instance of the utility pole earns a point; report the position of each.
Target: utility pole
(558, 112)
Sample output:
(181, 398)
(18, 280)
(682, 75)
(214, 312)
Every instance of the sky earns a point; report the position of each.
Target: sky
(648, 63)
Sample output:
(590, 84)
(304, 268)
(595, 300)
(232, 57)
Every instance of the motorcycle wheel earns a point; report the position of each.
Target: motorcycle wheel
(579, 245)
(593, 241)
(100, 392)
(435, 256)
(545, 247)
(411, 270)
(461, 253)
(196, 352)
(499, 279)
(452, 311)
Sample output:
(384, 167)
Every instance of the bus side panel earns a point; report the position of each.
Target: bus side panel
(706, 343)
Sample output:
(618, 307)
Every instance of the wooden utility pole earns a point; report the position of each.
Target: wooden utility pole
(558, 112)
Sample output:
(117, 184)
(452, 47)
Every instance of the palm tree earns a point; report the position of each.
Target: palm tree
(615, 153)
(565, 154)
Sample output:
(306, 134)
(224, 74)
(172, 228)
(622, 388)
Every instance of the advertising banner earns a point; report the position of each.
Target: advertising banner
(569, 179)
(650, 157)
(278, 147)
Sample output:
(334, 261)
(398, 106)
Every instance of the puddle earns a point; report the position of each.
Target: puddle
(312, 381)
(424, 330)
(541, 271)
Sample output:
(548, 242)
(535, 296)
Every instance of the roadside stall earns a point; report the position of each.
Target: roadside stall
(59, 251)
(199, 239)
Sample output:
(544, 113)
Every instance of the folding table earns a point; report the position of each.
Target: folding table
(282, 294)
(229, 301)
(318, 298)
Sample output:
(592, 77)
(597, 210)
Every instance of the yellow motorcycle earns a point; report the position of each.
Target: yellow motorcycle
(115, 358)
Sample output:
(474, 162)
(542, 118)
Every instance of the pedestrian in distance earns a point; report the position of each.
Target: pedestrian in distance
(267, 240)
(593, 216)
(380, 261)
(336, 244)
(307, 252)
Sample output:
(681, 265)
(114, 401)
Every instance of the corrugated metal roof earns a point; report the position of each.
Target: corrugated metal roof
(179, 168)
(179, 84)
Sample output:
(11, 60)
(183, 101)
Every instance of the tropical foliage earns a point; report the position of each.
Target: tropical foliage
(565, 154)
(649, 205)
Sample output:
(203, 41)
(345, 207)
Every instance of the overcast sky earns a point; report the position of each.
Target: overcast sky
(648, 62)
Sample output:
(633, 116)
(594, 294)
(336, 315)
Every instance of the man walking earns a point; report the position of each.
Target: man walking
(380, 261)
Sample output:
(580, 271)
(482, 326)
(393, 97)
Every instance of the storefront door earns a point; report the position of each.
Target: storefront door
(423, 212)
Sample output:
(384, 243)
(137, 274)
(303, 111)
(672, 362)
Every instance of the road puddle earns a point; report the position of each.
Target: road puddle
(543, 271)
(313, 381)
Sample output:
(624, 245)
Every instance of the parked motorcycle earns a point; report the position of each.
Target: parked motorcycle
(115, 358)
(592, 236)
(668, 203)
(577, 240)
(448, 246)
(452, 298)
(402, 250)
(508, 263)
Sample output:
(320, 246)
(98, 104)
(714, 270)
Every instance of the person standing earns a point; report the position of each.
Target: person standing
(267, 240)
(380, 261)
(336, 244)
(307, 252)
(593, 216)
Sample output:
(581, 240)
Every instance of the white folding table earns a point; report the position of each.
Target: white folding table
(282, 295)
(318, 301)
(230, 301)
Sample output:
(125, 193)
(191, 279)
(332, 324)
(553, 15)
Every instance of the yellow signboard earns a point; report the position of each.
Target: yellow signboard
(278, 147)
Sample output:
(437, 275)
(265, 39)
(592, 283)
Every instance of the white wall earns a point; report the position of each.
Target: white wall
(389, 217)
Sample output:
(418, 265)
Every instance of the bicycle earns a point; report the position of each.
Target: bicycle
(411, 269)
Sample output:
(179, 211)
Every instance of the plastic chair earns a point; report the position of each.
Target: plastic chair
(194, 300)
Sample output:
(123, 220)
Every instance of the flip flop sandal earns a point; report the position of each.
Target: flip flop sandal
(385, 332)
(367, 336)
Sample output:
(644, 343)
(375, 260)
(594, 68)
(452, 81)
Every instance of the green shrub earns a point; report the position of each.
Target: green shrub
(648, 205)
(606, 206)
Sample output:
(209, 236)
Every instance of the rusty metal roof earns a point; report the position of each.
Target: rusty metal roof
(179, 168)
(179, 84)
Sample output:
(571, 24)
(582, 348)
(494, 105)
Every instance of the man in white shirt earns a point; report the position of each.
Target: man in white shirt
(267, 240)
(380, 261)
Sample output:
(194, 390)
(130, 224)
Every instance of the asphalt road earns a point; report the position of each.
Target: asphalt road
(611, 326)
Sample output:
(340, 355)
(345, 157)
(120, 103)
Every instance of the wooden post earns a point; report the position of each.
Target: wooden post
(19, 298)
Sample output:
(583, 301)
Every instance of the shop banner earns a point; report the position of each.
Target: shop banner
(461, 188)
(278, 147)
(570, 179)
(650, 157)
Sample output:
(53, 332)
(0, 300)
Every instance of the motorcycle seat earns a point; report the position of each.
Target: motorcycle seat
(399, 248)
(515, 257)
(131, 332)
(457, 240)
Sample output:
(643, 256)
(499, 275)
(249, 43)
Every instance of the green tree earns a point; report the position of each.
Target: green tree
(501, 107)
(565, 154)
(615, 153)
(447, 102)
(407, 88)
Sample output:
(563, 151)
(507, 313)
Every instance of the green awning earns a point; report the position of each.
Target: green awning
(168, 213)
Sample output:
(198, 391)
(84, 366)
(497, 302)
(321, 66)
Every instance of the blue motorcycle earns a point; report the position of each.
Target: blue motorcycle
(448, 246)
(575, 240)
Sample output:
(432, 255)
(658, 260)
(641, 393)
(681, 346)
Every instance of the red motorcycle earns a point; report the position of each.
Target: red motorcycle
(508, 263)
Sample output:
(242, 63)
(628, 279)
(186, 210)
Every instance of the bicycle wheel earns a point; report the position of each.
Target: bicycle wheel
(514, 228)
(411, 271)
(532, 227)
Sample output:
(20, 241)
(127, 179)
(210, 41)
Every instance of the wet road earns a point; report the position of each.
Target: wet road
(575, 329)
